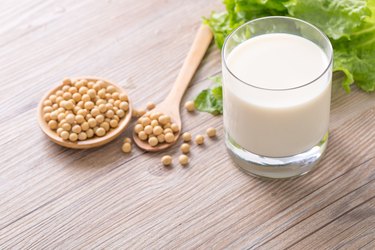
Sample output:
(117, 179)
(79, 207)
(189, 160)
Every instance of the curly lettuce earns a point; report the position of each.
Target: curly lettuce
(349, 24)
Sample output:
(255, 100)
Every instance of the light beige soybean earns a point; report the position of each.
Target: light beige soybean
(163, 119)
(124, 106)
(185, 148)
(105, 125)
(111, 89)
(91, 93)
(175, 128)
(154, 123)
(85, 98)
(52, 98)
(60, 117)
(54, 115)
(120, 113)
(109, 106)
(113, 123)
(47, 117)
(52, 124)
(67, 81)
(153, 141)
(70, 118)
(76, 129)
(47, 103)
(138, 128)
(157, 130)
(166, 160)
(142, 135)
(148, 129)
(89, 105)
(73, 137)
(100, 131)
(146, 121)
(102, 107)
(59, 93)
(123, 97)
(95, 112)
(115, 95)
(90, 84)
(47, 109)
(73, 90)
(150, 105)
(83, 90)
(67, 96)
(101, 93)
(99, 118)
(79, 119)
(169, 137)
(66, 126)
(186, 137)
(127, 140)
(77, 97)
(183, 159)
(64, 135)
(82, 136)
(92, 122)
(189, 105)
(199, 139)
(211, 132)
(109, 113)
(126, 147)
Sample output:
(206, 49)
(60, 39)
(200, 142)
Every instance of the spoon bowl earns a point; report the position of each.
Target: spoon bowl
(88, 143)
(165, 109)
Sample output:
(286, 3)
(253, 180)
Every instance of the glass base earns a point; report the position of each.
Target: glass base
(276, 167)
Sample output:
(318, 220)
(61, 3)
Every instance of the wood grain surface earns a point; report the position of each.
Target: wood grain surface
(53, 197)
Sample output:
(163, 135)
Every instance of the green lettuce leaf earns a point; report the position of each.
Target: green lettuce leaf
(336, 18)
(211, 100)
(350, 25)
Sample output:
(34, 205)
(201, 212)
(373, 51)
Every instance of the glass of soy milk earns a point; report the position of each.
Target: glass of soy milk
(277, 89)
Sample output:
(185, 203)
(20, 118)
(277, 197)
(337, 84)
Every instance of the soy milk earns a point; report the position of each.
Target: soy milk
(267, 110)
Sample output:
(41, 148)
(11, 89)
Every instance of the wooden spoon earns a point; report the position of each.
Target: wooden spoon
(92, 142)
(171, 105)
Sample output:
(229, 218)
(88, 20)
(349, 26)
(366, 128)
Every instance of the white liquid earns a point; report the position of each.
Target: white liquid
(276, 123)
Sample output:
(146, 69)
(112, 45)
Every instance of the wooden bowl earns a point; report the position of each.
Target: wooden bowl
(88, 143)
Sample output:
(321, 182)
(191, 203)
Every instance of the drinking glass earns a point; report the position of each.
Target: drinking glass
(275, 140)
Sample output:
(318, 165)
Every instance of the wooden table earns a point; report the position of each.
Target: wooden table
(53, 197)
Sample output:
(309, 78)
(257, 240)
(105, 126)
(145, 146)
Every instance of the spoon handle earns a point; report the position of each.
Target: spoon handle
(197, 51)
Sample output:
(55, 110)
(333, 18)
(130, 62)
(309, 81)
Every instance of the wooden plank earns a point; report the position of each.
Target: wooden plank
(51, 197)
(161, 207)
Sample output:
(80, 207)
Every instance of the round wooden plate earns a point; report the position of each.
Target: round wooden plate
(89, 143)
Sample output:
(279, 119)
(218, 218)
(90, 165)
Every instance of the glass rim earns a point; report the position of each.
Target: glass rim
(278, 17)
